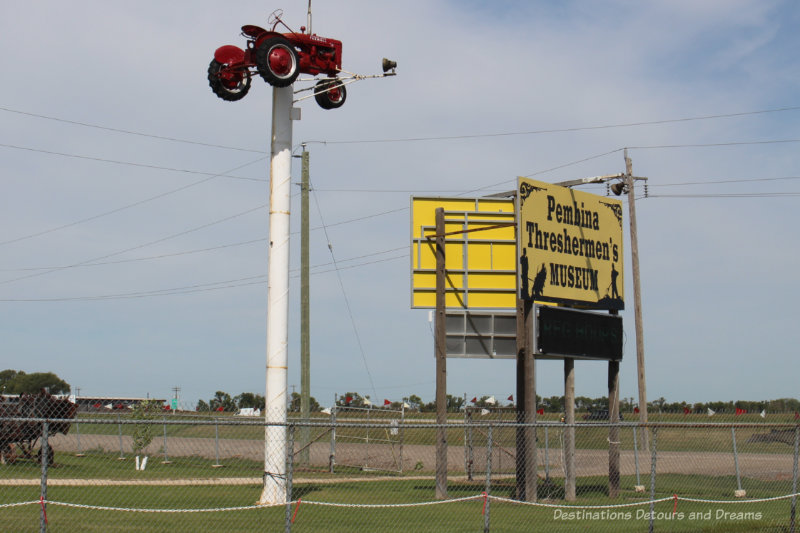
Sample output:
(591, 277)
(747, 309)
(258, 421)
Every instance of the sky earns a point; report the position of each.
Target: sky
(134, 220)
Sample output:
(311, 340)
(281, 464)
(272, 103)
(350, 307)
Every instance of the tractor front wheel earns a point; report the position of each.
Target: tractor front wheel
(8, 455)
(330, 93)
(277, 62)
(227, 83)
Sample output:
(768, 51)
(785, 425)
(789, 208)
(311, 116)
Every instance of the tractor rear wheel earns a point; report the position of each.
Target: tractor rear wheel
(330, 93)
(277, 62)
(227, 83)
(51, 454)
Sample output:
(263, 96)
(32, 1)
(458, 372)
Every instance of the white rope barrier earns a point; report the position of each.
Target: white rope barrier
(481, 496)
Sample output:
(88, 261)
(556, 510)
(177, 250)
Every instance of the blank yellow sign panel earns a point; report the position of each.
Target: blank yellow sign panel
(480, 252)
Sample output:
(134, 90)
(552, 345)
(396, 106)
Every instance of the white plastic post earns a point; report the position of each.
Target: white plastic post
(274, 491)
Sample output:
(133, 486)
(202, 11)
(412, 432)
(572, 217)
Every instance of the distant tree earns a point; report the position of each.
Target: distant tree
(247, 400)
(18, 382)
(294, 404)
(553, 404)
(7, 377)
(222, 399)
(356, 400)
(454, 403)
(202, 406)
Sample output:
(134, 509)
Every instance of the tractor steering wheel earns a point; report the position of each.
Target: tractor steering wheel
(275, 18)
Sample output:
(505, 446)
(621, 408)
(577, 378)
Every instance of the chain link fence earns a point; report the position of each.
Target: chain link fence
(189, 472)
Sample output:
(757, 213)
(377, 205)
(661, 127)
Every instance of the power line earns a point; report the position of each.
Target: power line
(123, 208)
(729, 195)
(416, 139)
(202, 287)
(127, 132)
(713, 145)
(346, 299)
(558, 130)
(721, 182)
(191, 230)
(127, 163)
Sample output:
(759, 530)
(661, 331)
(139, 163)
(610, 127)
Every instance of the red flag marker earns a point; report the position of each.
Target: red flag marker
(474, 400)
(297, 508)
(540, 411)
(387, 402)
(686, 411)
(511, 398)
(347, 400)
(636, 410)
(44, 510)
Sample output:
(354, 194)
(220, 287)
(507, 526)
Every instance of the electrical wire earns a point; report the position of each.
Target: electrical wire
(129, 206)
(729, 195)
(713, 145)
(137, 247)
(127, 163)
(344, 295)
(558, 130)
(722, 182)
(127, 132)
(204, 287)
(417, 139)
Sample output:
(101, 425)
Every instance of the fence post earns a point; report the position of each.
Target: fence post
(332, 457)
(119, 425)
(654, 444)
(216, 443)
(166, 457)
(289, 476)
(636, 459)
(43, 490)
(488, 481)
(739, 492)
(78, 435)
(546, 459)
(470, 441)
(794, 479)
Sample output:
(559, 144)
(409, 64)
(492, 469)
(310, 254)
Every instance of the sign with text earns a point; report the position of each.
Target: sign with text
(579, 334)
(570, 246)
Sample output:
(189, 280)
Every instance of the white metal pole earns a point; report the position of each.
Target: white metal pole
(274, 491)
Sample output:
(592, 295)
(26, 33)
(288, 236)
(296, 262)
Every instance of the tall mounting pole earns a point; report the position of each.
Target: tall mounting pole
(441, 359)
(274, 491)
(637, 300)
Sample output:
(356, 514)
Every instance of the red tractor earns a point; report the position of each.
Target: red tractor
(279, 58)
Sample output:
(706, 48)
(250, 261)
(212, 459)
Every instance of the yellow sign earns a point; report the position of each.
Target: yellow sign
(570, 246)
(480, 252)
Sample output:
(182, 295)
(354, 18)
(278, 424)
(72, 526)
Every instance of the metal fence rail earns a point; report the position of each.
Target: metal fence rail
(206, 474)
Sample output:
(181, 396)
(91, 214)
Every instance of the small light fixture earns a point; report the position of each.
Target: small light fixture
(388, 65)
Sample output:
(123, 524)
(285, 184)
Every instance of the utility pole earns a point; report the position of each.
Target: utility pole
(305, 313)
(637, 300)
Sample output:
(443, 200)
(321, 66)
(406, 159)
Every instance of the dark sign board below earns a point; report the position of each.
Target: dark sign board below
(580, 334)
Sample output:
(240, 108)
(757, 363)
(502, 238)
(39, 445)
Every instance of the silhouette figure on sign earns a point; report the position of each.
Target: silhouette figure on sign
(523, 267)
(614, 276)
(538, 283)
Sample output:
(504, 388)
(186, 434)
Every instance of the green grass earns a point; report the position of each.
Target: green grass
(442, 517)
(101, 465)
